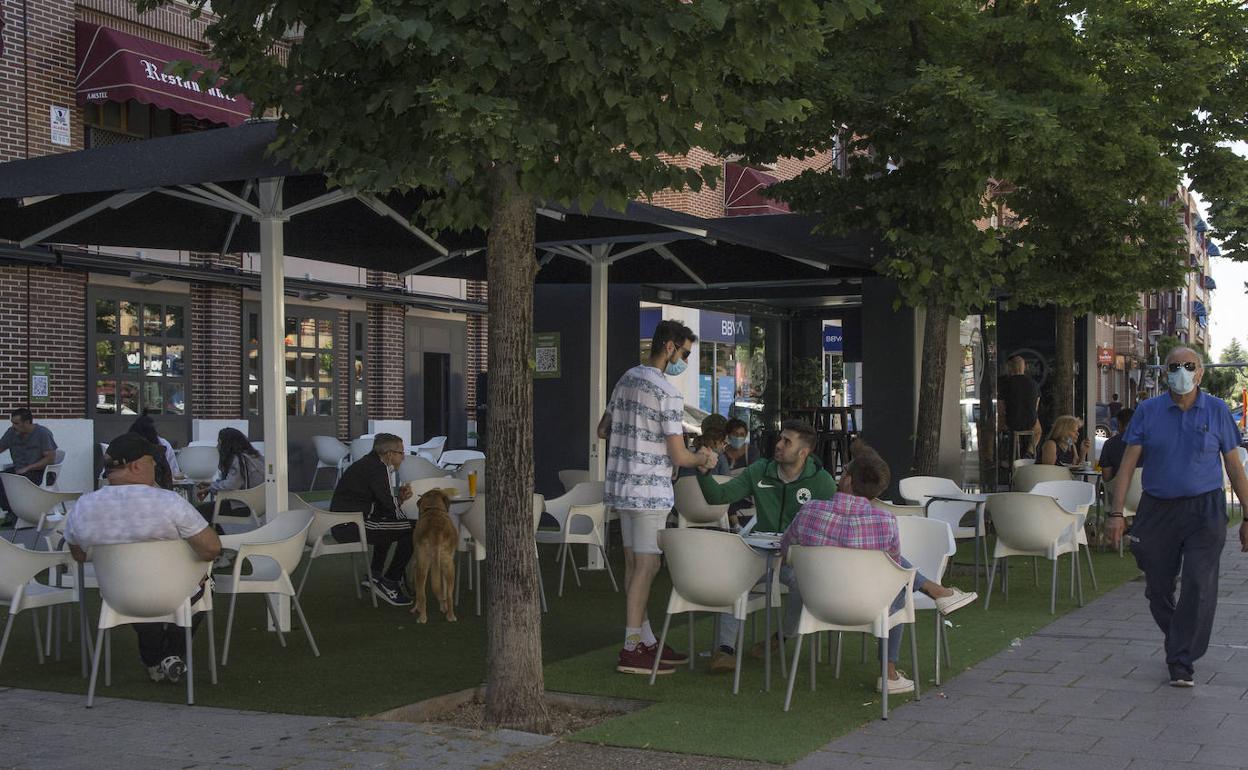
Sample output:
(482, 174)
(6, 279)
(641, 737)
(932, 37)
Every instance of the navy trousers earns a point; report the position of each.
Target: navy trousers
(1185, 533)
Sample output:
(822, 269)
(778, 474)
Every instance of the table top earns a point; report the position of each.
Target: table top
(767, 541)
(961, 497)
(1085, 471)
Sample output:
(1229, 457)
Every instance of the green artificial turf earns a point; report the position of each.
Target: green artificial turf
(696, 712)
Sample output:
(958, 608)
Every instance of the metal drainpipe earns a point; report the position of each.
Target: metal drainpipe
(26, 77)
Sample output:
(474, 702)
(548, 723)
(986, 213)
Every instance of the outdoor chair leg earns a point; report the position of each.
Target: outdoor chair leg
(48, 634)
(1035, 573)
(864, 649)
(108, 658)
(95, 666)
(691, 646)
(212, 650)
(190, 671)
(992, 574)
(60, 623)
(1074, 561)
(914, 657)
(797, 657)
(306, 570)
(1074, 557)
(1091, 571)
(736, 675)
(1053, 592)
(654, 670)
(563, 565)
(34, 616)
(355, 576)
(476, 566)
(8, 626)
(541, 587)
(840, 637)
(277, 625)
(939, 631)
(884, 674)
(576, 571)
(307, 630)
(229, 627)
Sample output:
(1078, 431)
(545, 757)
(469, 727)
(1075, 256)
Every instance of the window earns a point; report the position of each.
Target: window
(139, 353)
(309, 364)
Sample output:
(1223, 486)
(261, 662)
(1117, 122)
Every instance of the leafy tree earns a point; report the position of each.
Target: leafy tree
(491, 107)
(1234, 353)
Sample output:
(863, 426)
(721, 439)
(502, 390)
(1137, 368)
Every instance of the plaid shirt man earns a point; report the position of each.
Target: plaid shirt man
(847, 521)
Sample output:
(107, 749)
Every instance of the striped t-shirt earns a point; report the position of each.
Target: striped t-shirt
(645, 409)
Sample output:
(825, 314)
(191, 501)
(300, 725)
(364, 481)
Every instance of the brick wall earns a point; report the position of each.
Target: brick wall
(216, 340)
(48, 59)
(346, 376)
(57, 312)
(477, 332)
(386, 352)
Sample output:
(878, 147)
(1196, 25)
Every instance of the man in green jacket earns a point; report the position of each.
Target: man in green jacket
(780, 487)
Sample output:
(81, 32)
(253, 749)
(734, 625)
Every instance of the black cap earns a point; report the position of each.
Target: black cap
(127, 448)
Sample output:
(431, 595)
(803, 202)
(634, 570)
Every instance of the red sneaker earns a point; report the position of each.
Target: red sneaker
(640, 661)
(669, 655)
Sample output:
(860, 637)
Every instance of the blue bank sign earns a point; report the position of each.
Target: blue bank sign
(833, 338)
(721, 327)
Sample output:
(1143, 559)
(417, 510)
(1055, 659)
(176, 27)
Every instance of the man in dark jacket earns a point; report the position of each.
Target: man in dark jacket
(365, 487)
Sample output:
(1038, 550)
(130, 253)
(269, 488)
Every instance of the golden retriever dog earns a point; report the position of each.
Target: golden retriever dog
(435, 539)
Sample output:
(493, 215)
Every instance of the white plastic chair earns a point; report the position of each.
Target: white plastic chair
(259, 447)
(416, 467)
(273, 551)
(431, 450)
(851, 589)
(253, 498)
(1075, 497)
(711, 571)
(692, 510)
(917, 490)
(1028, 476)
(456, 457)
(1033, 525)
(52, 471)
(199, 463)
(1024, 461)
(330, 453)
(322, 522)
(899, 510)
(360, 447)
(473, 522)
(33, 505)
(928, 545)
(150, 582)
(579, 513)
(20, 591)
(570, 478)
(476, 466)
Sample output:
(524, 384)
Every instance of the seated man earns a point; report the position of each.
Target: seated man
(1115, 446)
(31, 446)
(132, 509)
(365, 488)
(780, 487)
(849, 520)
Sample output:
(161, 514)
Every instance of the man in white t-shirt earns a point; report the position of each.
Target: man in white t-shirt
(644, 428)
(132, 509)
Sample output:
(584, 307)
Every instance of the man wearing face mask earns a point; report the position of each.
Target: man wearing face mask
(1187, 437)
(645, 432)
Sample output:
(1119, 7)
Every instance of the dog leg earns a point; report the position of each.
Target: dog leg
(422, 575)
(448, 586)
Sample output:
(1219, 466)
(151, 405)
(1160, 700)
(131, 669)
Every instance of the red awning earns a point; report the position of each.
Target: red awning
(116, 67)
(743, 192)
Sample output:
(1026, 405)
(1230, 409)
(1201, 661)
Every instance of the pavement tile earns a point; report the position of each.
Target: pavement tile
(829, 760)
(976, 755)
(1065, 760)
(893, 747)
(1145, 749)
(1126, 728)
(1031, 739)
(1226, 756)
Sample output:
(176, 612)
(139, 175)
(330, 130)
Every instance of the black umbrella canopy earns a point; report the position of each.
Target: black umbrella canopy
(155, 194)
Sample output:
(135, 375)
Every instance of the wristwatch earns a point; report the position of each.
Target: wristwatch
(1115, 515)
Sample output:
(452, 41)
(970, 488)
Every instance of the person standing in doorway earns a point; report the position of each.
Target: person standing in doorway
(1186, 437)
(644, 429)
(1021, 397)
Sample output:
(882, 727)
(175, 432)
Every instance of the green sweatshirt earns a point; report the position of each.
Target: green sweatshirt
(776, 502)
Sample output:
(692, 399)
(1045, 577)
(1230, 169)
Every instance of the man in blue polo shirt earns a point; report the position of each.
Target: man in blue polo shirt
(1187, 437)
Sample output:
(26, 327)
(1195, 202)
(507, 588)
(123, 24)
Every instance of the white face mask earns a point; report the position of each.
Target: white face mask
(1182, 381)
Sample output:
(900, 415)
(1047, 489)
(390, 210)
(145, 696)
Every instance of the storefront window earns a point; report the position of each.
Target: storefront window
(309, 364)
(138, 354)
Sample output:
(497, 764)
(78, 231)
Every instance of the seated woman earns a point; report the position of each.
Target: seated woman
(1060, 447)
(240, 467)
(740, 452)
(167, 462)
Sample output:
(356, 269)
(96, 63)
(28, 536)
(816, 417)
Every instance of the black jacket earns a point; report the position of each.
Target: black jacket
(365, 487)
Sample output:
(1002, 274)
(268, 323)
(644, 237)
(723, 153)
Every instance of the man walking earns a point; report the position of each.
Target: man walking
(644, 427)
(1186, 438)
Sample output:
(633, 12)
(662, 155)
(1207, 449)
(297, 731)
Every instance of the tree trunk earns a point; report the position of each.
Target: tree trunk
(931, 389)
(1064, 363)
(514, 690)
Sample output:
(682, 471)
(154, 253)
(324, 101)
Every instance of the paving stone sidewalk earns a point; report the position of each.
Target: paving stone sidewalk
(54, 731)
(1088, 691)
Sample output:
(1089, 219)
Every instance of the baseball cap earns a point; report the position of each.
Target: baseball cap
(127, 448)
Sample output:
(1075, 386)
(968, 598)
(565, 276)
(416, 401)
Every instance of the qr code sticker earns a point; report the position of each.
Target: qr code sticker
(547, 360)
(39, 386)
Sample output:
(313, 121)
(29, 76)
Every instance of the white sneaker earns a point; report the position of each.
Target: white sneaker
(173, 668)
(947, 605)
(898, 686)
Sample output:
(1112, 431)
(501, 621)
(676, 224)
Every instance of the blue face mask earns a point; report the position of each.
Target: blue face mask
(1182, 381)
(676, 368)
(736, 442)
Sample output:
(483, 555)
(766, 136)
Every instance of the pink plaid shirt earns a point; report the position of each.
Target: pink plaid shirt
(846, 521)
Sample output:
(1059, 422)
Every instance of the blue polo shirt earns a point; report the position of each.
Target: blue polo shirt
(1184, 449)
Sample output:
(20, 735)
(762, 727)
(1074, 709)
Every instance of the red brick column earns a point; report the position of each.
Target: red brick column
(216, 339)
(387, 352)
(57, 308)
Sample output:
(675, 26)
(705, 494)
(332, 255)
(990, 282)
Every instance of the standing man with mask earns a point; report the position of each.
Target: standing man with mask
(644, 427)
(1186, 437)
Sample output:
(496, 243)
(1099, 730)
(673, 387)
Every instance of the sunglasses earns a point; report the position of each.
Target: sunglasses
(1188, 365)
(684, 353)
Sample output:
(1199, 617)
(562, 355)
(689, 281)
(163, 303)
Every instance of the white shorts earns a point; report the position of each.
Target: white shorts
(640, 530)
